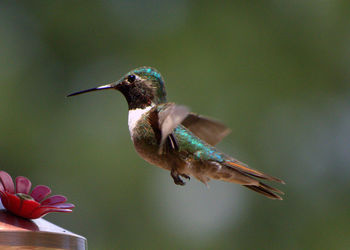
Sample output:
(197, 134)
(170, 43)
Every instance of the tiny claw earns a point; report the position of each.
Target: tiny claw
(186, 176)
(179, 182)
(176, 178)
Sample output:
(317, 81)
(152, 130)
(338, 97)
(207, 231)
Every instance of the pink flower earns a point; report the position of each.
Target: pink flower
(31, 205)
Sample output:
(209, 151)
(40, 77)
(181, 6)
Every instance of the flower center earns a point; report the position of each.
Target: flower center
(24, 196)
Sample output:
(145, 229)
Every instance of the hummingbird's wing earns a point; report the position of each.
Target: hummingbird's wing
(207, 129)
(170, 116)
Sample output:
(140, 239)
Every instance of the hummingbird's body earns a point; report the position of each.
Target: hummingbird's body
(169, 136)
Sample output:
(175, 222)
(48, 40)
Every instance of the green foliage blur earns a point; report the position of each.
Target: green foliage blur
(276, 72)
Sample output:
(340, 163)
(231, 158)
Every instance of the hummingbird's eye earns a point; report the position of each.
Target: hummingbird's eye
(131, 78)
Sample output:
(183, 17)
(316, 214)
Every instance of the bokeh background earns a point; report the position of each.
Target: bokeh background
(276, 72)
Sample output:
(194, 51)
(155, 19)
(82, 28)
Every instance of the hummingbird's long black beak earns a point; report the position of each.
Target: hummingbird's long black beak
(108, 86)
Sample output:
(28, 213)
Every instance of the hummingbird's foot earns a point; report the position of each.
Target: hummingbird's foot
(176, 178)
(186, 176)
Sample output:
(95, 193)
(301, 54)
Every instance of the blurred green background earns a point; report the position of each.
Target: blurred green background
(276, 72)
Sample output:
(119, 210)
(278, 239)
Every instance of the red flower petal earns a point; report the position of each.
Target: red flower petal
(23, 185)
(7, 182)
(12, 202)
(61, 206)
(38, 212)
(55, 199)
(41, 211)
(40, 192)
(57, 211)
(28, 206)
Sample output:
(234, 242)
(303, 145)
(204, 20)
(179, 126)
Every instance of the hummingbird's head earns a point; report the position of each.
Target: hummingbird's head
(142, 87)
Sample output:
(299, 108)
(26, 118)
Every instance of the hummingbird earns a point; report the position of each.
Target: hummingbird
(171, 137)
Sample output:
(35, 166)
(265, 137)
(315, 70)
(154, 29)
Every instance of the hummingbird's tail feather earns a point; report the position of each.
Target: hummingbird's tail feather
(266, 190)
(226, 171)
(240, 173)
(241, 167)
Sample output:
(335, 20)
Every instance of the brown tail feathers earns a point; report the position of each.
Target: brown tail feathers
(255, 185)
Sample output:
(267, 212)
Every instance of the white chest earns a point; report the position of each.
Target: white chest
(134, 116)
